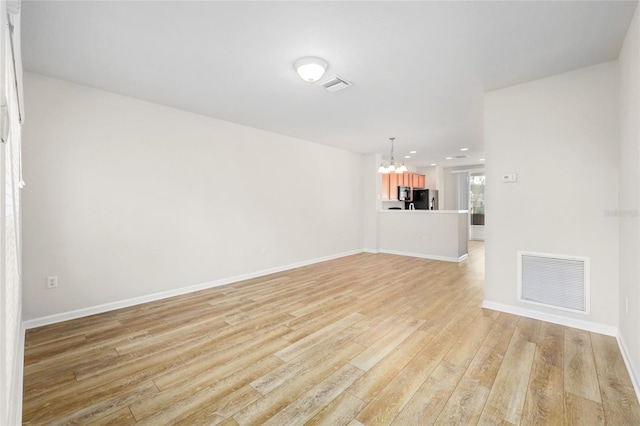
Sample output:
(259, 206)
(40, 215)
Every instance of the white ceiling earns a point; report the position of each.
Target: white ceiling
(419, 69)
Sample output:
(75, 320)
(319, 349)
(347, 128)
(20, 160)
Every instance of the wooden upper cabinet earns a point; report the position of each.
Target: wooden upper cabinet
(385, 187)
(391, 181)
(393, 186)
(415, 181)
(406, 179)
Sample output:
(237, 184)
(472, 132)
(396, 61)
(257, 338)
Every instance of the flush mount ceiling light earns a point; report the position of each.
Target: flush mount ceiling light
(310, 68)
(391, 166)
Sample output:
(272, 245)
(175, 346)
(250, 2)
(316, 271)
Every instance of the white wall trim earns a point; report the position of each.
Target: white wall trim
(368, 250)
(556, 319)
(633, 374)
(425, 256)
(92, 310)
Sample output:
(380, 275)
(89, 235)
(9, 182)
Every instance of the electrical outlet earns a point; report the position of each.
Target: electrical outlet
(52, 282)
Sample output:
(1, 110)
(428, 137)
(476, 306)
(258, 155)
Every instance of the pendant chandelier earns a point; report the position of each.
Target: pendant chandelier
(392, 166)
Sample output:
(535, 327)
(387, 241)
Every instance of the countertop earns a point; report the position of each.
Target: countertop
(425, 211)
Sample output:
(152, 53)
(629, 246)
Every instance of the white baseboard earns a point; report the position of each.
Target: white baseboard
(556, 319)
(368, 250)
(633, 374)
(92, 310)
(425, 256)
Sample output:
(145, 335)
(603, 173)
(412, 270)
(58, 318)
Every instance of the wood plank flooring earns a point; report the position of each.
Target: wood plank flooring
(369, 339)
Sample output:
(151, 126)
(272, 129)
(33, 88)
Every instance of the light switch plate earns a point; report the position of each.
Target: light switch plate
(509, 178)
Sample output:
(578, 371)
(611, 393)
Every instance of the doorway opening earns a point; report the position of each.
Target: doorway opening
(476, 206)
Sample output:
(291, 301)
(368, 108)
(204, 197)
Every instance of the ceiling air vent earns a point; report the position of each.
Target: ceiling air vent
(335, 83)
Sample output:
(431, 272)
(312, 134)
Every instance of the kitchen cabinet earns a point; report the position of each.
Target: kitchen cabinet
(414, 180)
(384, 193)
(417, 181)
(393, 185)
(390, 184)
(391, 181)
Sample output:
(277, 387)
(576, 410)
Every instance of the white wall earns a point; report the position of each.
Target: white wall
(450, 188)
(440, 186)
(7, 366)
(430, 234)
(371, 201)
(629, 220)
(560, 135)
(430, 176)
(127, 198)
(11, 331)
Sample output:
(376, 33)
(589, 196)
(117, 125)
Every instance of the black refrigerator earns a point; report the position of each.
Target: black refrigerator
(425, 199)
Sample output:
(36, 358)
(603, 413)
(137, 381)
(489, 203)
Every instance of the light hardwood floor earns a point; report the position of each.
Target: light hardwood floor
(369, 339)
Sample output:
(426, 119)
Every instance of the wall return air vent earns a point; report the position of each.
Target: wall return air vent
(556, 281)
(335, 83)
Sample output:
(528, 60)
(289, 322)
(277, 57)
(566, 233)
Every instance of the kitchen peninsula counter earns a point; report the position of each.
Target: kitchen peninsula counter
(430, 234)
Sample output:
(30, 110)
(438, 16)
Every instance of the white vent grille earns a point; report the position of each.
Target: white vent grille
(335, 83)
(554, 280)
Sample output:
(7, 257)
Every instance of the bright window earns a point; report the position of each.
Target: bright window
(476, 198)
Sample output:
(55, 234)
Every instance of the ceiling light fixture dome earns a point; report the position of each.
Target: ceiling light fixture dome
(392, 166)
(310, 68)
